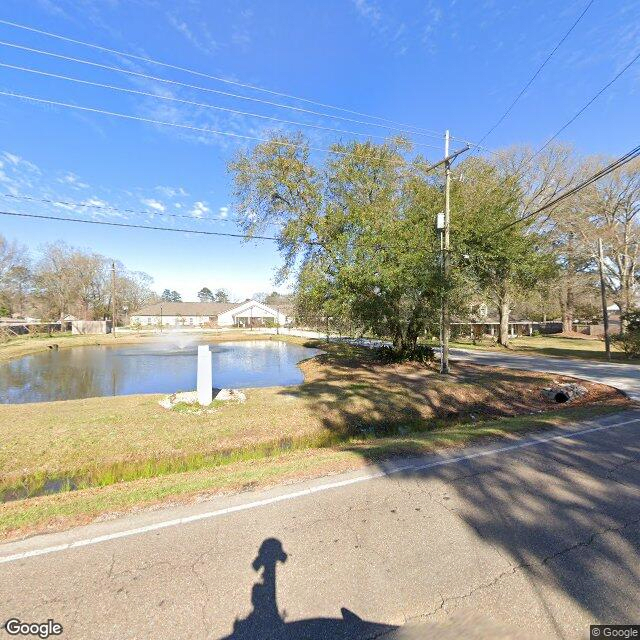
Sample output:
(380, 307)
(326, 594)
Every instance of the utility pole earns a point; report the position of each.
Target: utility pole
(445, 320)
(603, 295)
(113, 299)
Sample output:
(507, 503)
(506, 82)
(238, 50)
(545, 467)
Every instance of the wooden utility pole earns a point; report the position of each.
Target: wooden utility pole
(113, 299)
(445, 326)
(603, 295)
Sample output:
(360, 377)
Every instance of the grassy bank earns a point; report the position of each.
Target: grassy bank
(63, 510)
(558, 346)
(116, 452)
(346, 393)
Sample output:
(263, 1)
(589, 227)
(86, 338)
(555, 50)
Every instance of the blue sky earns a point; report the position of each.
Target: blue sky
(431, 64)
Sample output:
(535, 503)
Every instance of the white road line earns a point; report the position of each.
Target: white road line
(304, 492)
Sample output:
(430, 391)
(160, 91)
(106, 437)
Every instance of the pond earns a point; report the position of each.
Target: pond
(162, 367)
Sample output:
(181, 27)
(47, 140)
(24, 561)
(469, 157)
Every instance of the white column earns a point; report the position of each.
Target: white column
(205, 375)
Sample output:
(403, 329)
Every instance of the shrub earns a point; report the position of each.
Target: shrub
(630, 341)
(632, 319)
(420, 353)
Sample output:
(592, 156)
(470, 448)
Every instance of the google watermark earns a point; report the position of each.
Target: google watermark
(597, 631)
(15, 627)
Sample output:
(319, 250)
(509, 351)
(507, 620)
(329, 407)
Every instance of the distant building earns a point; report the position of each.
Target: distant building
(249, 313)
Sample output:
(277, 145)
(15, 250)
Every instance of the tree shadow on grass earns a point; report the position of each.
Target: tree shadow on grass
(566, 513)
(358, 396)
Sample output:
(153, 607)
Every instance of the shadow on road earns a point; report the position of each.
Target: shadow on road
(566, 516)
(266, 623)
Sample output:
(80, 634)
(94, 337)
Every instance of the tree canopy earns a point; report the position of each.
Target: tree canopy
(357, 232)
(205, 295)
(169, 295)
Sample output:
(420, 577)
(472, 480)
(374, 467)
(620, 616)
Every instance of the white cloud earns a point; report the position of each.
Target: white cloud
(95, 202)
(154, 204)
(200, 209)
(224, 212)
(206, 43)
(368, 10)
(68, 207)
(73, 180)
(171, 192)
(17, 161)
(12, 158)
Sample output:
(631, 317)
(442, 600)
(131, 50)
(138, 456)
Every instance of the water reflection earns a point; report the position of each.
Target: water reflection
(85, 372)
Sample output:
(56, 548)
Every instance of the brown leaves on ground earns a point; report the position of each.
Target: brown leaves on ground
(351, 393)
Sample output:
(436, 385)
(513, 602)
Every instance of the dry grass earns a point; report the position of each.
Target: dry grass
(100, 441)
(561, 345)
(124, 451)
(63, 510)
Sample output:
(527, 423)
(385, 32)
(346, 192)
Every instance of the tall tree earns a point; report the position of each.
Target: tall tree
(15, 276)
(505, 257)
(205, 295)
(133, 290)
(70, 281)
(221, 295)
(348, 229)
(614, 211)
(169, 295)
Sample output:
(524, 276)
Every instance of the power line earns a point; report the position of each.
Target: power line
(613, 166)
(140, 226)
(209, 89)
(205, 75)
(192, 127)
(529, 160)
(196, 104)
(89, 205)
(588, 104)
(535, 75)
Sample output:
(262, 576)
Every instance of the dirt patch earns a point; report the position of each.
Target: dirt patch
(577, 334)
(352, 393)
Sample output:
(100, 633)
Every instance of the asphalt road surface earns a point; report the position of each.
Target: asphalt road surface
(534, 537)
(625, 377)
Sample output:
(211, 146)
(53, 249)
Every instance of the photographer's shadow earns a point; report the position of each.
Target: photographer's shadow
(265, 622)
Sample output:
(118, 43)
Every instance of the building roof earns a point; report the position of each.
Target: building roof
(185, 309)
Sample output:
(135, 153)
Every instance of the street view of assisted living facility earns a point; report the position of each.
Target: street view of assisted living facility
(319, 320)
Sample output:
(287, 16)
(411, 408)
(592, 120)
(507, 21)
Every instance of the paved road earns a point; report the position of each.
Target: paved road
(535, 538)
(625, 377)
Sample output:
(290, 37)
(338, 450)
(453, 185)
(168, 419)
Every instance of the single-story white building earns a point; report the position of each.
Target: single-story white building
(249, 313)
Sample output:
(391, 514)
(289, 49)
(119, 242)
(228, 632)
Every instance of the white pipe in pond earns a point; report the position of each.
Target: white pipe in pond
(205, 375)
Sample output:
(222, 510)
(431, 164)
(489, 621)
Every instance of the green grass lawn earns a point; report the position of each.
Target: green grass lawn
(559, 346)
(63, 510)
(118, 452)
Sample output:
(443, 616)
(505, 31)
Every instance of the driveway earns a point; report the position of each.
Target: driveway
(535, 537)
(625, 377)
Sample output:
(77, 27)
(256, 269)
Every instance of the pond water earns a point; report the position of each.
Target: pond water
(86, 372)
